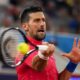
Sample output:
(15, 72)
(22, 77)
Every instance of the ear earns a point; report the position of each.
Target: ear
(25, 26)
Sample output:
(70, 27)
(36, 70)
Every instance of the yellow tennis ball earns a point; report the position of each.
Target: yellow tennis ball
(23, 48)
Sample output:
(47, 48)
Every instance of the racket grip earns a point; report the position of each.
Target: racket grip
(42, 47)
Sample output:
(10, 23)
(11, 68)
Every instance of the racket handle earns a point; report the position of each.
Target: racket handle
(42, 47)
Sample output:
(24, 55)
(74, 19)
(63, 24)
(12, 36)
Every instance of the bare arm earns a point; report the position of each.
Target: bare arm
(65, 75)
(38, 63)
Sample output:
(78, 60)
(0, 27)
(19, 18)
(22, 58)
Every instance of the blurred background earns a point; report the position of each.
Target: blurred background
(63, 24)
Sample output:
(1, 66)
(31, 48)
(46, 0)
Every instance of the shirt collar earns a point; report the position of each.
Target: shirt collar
(34, 41)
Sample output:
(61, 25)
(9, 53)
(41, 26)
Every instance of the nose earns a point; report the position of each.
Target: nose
(42, 23)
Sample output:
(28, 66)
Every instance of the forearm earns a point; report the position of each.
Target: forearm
(38, 63)
(65, 75)
(40, 60)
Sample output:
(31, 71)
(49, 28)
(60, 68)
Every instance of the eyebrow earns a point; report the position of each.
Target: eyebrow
(38, 19)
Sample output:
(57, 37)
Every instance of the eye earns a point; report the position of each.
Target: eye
(36, 20)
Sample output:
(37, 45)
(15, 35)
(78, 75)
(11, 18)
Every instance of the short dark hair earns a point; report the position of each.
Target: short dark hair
(25, 14)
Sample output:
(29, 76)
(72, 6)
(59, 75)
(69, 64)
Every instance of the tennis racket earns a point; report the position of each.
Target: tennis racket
(10, 38)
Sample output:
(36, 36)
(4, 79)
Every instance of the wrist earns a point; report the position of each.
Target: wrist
(42, 56)
(71, 66)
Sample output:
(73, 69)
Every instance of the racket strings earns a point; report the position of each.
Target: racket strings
(9, 45)
(9, 42)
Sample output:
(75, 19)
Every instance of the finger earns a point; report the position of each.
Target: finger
(78, 45)
(65, 55)
(68, 56)
(52, 47)
(74, 43)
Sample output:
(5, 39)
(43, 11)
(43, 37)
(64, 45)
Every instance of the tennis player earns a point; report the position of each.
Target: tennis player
(40, 65)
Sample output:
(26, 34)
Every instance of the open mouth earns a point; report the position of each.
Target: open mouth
(40, 30)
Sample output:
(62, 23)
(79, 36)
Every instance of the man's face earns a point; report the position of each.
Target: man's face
(37, 25)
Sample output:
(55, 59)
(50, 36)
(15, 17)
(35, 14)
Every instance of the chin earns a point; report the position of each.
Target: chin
(40, 38)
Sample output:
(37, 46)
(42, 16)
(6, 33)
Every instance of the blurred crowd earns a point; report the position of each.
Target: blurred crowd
(62, 15)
